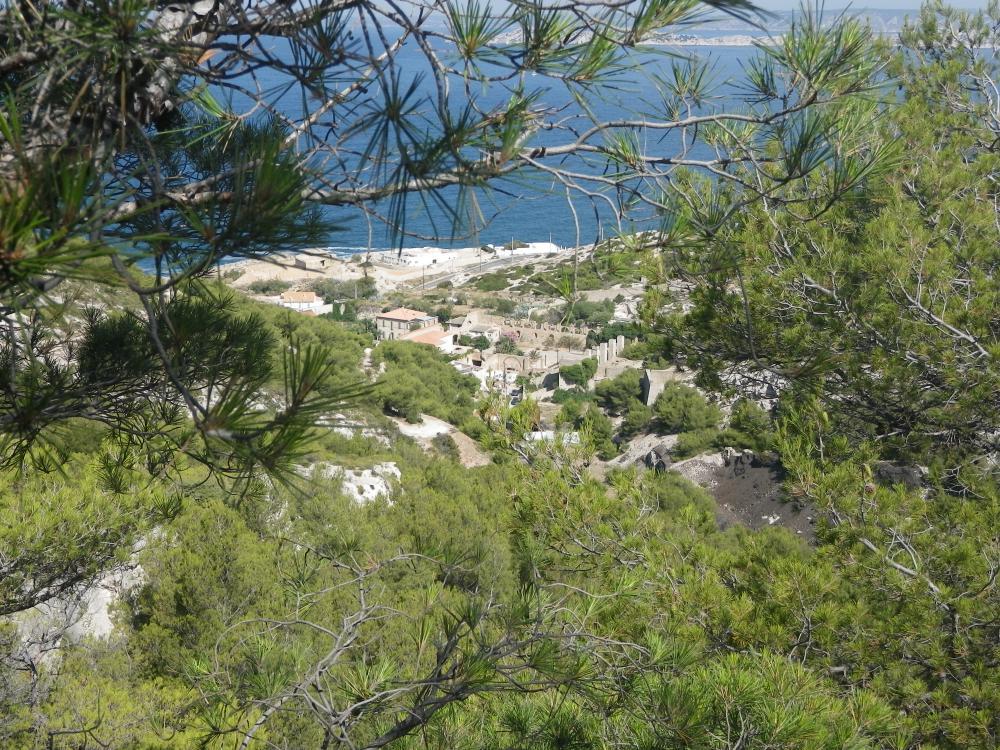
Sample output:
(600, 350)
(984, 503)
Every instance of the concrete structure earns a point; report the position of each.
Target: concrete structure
(395, 324)
(653, 382)
(311, 262)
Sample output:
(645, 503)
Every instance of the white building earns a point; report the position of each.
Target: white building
(305, 302)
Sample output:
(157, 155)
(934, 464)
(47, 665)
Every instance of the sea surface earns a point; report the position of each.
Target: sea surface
(531, 207)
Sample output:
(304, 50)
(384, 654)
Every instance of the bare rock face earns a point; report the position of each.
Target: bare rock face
(890, 473)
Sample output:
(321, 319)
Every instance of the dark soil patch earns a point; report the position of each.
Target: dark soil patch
(751, 496)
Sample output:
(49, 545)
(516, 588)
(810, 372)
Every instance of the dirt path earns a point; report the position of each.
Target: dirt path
(469, 452)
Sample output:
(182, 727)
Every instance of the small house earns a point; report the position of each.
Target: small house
(302, 301)
(396, 324)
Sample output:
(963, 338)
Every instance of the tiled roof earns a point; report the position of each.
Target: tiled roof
(404, 314)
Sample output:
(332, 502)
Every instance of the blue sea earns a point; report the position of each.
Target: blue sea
(530, 207)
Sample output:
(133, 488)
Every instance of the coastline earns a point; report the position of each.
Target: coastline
(388, 276)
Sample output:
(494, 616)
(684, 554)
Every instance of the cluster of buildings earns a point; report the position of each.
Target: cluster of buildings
(500, 371)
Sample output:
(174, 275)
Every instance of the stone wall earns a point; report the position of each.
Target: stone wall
(533, 335)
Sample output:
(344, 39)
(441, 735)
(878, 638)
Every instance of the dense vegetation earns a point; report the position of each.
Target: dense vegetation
(161, 428)
(418, 379)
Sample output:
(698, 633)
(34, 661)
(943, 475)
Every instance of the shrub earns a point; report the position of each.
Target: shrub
(637, 418)
(618, 393)
(629, 330)
(752, 421)
(672, 493)
(446, 446)
(503, 306)
(506, 345)
(581, 373)
(681, 408)
(231, 274)
(569, 413)
(344, 311)
(695, 442)
(598, 427)
(563, 395)
(269, 287)
(491, 282)
(477, 342)
(565, 342)
(591, 313)
(419, 379)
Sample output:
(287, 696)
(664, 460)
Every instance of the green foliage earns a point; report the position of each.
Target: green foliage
(637, 418)
(523, 604)
(506, 345)
(618, 393)
(334, 290)
(596, 426)
(492, 282)
(694, 442)
(103, 506)
(212, 573)
(476, 342)
(873, 307)
(682, 408)
(419, 379)
(101, 699)
(628, 329)
(445, 445)
(580, 373)
(268, 287)
(655, 350)
(563, 395)
(753, 422)
(502, 306)
(343, 311)
(587, 313)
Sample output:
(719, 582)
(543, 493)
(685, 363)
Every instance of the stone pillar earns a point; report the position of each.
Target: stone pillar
(612, 350)
(621, 343)
(602, 352)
